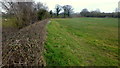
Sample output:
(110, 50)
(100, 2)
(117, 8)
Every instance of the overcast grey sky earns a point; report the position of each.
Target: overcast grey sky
(78, 5)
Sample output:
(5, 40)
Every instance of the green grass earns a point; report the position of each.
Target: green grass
(11, 22)
(82, 42)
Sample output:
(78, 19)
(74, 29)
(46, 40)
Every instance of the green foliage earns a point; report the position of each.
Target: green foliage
(42, 14)
(82, 41)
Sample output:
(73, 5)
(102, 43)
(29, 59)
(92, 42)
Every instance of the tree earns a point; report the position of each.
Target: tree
(117, 10)
(97, 10)
(23, 12)
(42, 14)
(84, 12)
(51, 13)
(67, 10)
(58, 9)
(40, 5)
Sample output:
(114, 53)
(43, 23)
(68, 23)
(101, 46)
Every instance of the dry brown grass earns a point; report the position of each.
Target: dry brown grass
(24, 47)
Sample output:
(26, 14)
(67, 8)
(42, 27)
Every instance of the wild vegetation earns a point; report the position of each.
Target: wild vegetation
(23, 33)
(25, 13)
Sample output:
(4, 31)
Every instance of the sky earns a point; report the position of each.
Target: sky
(78, 5)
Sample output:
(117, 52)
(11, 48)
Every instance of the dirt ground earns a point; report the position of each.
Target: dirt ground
(24, 47)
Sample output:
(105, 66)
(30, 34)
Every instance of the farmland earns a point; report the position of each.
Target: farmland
(82, 42)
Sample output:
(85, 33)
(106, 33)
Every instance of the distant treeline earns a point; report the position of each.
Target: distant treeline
(97, 13)
(91, 14)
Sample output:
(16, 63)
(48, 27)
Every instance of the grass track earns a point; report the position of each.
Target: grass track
(82, 41)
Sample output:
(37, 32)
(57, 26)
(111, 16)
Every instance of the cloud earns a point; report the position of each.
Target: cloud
(78, 5)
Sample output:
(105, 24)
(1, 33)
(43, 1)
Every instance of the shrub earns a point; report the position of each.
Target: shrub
(43, 14)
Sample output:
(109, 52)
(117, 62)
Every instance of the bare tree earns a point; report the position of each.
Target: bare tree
(40, 5)
(117, 10)
(97, 10)
(67, 10)
(58, 9)
(51, 13)
(24, 12)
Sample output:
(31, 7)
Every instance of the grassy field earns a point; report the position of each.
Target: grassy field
(82, 41)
